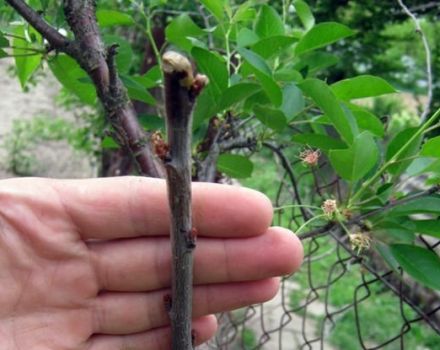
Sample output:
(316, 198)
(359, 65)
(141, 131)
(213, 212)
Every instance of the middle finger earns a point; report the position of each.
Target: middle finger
(144, 264)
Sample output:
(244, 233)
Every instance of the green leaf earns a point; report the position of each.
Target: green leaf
(214, 66)
(322, 35)
(288, 75)
(109, 18)
(361, 87)
(428, 227)
(424, 205)
(320, 141)
(137, 91)
(25, 65)
(260, 97)
(431, 148)
(422, 165)
(109, 143)
(245, 12)
(4, 42)
(355, 162)
(151, 122)
(385, 252)
(315, 61)
(180, 28)
(396, 145)
(155, 3)
(368, 121)
(273, 118)
(324, 98)
(206, 107)
(395, 232)
(255, 61)
(246, 37)
(272, 46)
(269, 22)
(235, 166)
(422, 264)
(125, 53)
(263, 74)
(271, 88)
(69, 73)
(237, 93)
(293, 101)
(304, 14)
(216, 7)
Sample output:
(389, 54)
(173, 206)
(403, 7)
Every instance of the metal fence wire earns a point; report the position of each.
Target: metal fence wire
(338, 300)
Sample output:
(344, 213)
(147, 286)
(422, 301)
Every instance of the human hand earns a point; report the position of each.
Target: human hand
(85, 264)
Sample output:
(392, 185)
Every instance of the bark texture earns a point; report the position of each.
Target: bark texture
(181, 89)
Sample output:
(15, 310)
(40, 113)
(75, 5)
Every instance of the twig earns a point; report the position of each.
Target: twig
(207, 25)
(181, 90)
(429, 73)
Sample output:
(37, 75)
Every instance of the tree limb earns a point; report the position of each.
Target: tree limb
(89, 51)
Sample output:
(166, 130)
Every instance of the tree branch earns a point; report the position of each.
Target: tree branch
(54, 38)
(181, 90)
(89, 51)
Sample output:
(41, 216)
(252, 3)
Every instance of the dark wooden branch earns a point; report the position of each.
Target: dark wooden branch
(90, 53)
(181, 90)
(54, 38)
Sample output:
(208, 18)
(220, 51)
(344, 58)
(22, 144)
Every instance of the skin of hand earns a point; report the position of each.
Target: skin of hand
(85, 264)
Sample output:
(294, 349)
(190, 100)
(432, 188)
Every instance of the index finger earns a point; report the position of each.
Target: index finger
(124, 207)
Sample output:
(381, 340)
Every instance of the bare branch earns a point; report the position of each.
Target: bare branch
(429, 73)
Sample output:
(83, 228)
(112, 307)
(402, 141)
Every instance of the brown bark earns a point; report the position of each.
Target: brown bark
(181, 90)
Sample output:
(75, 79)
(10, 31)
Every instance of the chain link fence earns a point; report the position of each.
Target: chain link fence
(338, 300)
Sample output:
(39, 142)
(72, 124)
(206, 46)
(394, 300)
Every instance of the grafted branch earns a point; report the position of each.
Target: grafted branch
(181, 90)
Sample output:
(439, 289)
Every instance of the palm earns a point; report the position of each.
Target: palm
(86, 266)
(49, 281)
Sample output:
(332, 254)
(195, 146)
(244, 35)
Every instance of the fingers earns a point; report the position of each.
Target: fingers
(158, 339)
(144, 264)
(126, 313)
(126, 207)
